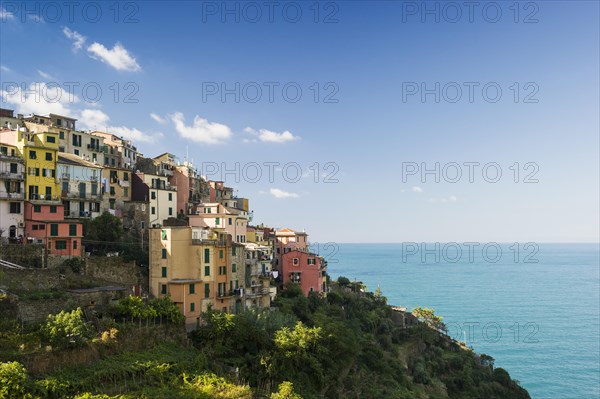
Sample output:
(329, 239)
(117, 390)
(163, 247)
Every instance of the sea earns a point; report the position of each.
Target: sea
(535, 308)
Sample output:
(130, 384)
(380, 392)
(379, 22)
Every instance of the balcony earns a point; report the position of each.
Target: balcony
(65, 176)
(12, 196)
(77, 214)
(12, 176)
(43, 197)
(95, 148)
(82, 196)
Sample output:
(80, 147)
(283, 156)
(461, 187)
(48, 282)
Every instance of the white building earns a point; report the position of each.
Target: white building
(81, 189)
(12, 189)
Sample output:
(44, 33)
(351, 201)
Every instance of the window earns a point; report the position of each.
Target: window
(153, 195)
(52, 208)
(163, 289)
(170, 211)
(163, 272)
(35, 226)
(54, 229)
(153, 210)
(37, 208)
(50, 139)
(233, 268)
(125, 176)
(207, 255)
(222, 270)
(233, 251)
(48, 192)
(207, 270)
(217, 220)
(164, 253)
(15, 207)
(206, 290)
(192, 307)
(42, 226)
(32, 155)
(311, 261)
(76, 152)
(170, 196)
(13, 168)
(220, 254)
(192, 288)
(48, 156)
(60, 244)
(142, 224)
(112, 190)
(61, 135)
(75, 244)
(296, 261)
(72, 230)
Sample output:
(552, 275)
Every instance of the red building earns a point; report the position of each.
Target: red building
(44, 223)
(303, 268)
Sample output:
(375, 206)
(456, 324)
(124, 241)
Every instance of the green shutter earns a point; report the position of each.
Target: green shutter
(192, 288)
(53, 229)
(72, 230)
(206, 290)
(207, 270)
(164, 272)
(207, 255)
(164, 253)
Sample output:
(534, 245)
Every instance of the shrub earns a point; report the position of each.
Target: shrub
(13, 380)
(66, 329)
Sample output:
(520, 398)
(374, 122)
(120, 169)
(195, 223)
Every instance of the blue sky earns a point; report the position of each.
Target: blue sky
(363, 122)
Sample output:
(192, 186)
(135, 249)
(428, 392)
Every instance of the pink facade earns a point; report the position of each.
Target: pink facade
(303, 268)
(182, 182)
(45, 222)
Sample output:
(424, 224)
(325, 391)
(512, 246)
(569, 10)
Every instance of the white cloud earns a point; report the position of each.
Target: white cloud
(158, 118)
(416, 189)
(277, 193)
(39, 98)
(4, 68)
(117, 57)
(201, 130)
(77, 38)
(45, 75)
(133, 134)
(36, 18)
(6, 15)
(452, 198)
(270, 136)
(93, 119)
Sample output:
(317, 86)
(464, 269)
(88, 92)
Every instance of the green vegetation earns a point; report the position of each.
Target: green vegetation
(349, 344)
(66, 329)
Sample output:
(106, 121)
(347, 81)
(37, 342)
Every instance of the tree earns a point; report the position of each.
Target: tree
(286, 391)
(13, 380)
(66, 329)
(343, 281)
(297, 341)
(428, 317)
(104, 233)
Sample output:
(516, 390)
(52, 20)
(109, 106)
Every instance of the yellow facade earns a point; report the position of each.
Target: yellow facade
(40, 152)
(195, 272)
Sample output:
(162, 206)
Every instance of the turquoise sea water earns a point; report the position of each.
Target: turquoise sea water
(540, 321)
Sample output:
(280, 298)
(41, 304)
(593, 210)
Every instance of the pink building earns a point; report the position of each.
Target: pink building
(44, 223)
(303, 268)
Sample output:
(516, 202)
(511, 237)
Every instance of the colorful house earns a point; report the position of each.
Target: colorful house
(304, 268)
(12, 191)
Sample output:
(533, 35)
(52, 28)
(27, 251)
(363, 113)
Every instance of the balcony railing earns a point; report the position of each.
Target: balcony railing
(12, 176)
(82, 196)
(77, 214)
(95, 148)
(15, 196)
(43, 197)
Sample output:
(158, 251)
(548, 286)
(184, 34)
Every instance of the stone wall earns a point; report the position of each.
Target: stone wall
(112, 269)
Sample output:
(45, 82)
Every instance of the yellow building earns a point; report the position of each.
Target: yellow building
(39, 151)
(193, 266)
